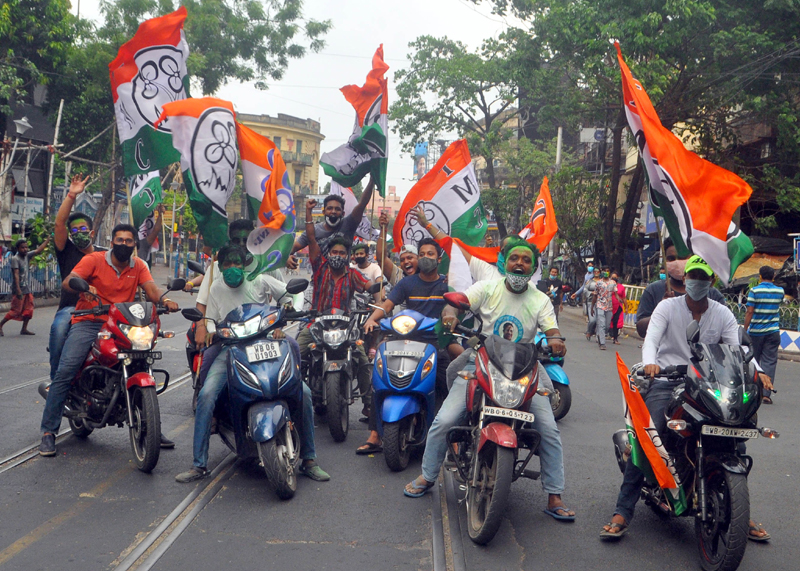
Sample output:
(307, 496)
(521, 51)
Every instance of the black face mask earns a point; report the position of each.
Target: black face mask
(360, 259)
(122, 252)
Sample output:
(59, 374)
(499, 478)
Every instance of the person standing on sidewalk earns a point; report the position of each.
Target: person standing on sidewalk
(603, 306)
(22, 301)
(589, 276)
(762, 321)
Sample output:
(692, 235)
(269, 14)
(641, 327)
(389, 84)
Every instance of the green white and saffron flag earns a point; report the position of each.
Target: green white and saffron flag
(367, 149)
(149, 71)
(145, 192)
(204, 133)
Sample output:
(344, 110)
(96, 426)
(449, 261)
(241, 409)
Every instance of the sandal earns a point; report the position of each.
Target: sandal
(560, 513)
(423, 489)
(621, 529)
(755, 529)
(766, 400)
(369, 448)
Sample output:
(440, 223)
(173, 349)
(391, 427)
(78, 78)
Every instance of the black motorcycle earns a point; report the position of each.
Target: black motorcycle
(194, 356)
(710, 417)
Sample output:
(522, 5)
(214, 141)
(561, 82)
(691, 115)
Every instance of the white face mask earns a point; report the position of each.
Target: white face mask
(517, 282)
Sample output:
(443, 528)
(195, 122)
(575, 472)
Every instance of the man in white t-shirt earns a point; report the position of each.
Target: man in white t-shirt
(369, 270)
(500, 303)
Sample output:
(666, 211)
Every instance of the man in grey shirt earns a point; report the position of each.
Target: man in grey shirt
(336, 223)
(22, 299)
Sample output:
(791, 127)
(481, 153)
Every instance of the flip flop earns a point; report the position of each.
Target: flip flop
(609, 534)
(371, 448)
(555, 515)
(759, 538)
(424, 489)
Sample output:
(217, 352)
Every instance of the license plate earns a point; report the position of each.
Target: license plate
(404, 354)
(263, 351)
(155, 355)
(729, 432)
(507, 413)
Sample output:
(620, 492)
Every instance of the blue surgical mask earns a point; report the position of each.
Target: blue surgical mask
(697, 289)
(662, 276)
(590, 269)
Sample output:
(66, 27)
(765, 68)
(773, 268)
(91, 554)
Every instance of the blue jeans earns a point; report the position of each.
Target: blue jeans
(765, 351)
(657, 399)
(454, 413)
(79, 341)
(58, 336)
(216, 380)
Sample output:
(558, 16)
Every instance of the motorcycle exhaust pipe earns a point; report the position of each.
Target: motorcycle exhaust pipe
(43, 389)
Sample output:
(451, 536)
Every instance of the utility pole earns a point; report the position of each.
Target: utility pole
(46, 208)
(551, 248)
(25, 204)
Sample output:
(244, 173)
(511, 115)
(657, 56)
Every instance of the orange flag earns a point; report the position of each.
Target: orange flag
(542, 226)
(263, 173)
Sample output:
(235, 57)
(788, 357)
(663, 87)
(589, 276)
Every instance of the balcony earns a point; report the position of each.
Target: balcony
(297, 158)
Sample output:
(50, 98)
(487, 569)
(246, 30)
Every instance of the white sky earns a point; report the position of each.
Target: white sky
(310, 88)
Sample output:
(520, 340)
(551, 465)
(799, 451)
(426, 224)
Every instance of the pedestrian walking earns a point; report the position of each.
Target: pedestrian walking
(22, 300)
(763, 321)
(603, 306)
(618, 307)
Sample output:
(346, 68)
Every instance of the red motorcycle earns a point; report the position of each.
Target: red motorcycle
(116, 383)
(494, 448)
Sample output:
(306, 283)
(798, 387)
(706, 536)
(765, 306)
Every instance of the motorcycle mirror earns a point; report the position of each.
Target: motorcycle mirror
(79, 284)
(176, 284)
(197, 267)
(744, 338)
(296, 286)
(458, 300)
(192, 314)
(693, 332)
(375, 288)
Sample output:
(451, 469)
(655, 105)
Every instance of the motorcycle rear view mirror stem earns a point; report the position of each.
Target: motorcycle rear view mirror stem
(194, 314)
(80, 285)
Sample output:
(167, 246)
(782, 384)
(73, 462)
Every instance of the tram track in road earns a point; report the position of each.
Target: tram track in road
(23, 385)
(30, 452)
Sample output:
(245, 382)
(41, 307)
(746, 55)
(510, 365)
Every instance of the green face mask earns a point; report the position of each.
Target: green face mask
(82, 240)
(604, 274)
(233, 277)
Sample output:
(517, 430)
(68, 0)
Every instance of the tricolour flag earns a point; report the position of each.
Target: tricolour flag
(144, 231)
(451, 198)
(542, 226)
(266, 182)
(145, 192)
(697, 199)
(647, 451)
(367, 150)
(365, 230)
(204, 132)
(149, 71)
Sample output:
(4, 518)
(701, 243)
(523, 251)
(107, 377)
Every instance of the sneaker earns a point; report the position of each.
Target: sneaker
(314, 472)
(191, 475)
(48, 445)
(166, 442)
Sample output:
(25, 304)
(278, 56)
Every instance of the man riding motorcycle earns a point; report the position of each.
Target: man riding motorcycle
(225, 295)
(507, 300)
(115, 276)
(665, 345)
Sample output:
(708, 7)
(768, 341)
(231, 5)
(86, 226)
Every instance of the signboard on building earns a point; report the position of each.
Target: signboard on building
(27, 207)
(318, 208)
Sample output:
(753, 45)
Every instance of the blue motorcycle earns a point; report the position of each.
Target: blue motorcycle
(404, 384)
(259, 411)
(561, 399)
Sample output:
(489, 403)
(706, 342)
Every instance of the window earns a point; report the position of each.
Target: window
(298, 177)
(277, 141)
(299, 147)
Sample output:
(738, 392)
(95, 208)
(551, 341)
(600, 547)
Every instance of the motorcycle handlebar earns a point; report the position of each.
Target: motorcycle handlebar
(98, 310)
(673, 371)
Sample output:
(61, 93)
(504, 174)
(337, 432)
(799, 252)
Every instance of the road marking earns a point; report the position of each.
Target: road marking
(86, 500)
(23, 385)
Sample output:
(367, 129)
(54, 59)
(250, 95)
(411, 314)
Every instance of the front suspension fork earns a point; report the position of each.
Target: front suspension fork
(701, 481)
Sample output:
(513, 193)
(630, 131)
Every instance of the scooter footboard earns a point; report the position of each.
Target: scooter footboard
(266, 419)
(499, 433)
(396, 407)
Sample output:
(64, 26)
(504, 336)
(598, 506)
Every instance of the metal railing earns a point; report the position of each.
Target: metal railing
(44, 282)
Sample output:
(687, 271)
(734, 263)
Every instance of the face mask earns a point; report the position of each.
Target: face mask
(427, 265)
(333, 221)
(604, 274)
(337, 262)
(553, 277)
(590, 269)
(82, 240)
(662, 276)
(675, 269)
(697, 289)
(122, 252)
(360, 260)
(501, 263)
(517, 282)
(233, 277)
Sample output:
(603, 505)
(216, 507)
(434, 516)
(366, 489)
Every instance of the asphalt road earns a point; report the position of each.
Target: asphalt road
(89, 508)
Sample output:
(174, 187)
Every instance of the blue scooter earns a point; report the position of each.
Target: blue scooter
(404, 385)
(259, 411)
(561, 399)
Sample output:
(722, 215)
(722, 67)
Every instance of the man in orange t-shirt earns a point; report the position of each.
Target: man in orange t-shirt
(114, 276)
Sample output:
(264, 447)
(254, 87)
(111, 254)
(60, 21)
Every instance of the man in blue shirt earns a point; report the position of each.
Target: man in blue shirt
(762, 321)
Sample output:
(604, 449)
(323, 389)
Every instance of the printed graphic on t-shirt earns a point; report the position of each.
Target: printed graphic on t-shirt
(509, 328)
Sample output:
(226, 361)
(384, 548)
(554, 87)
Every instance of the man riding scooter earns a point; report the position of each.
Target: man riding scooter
(225, 295)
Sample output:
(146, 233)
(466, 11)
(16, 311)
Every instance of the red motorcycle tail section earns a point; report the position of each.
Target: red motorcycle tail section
(141, 380)
(198, 359)
(499, 433)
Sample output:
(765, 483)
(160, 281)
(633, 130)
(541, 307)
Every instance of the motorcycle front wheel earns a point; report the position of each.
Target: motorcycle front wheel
(561, 400)
(145, 433)
(279, 461)
(338, 413)
(722, 539)
(396, 448)
(486, 500)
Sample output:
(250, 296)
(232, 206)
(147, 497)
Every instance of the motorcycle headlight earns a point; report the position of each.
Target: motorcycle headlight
(507, 392)
(334, 337)
(428, 366)
(247, 328)
(141, 338)
(403, 324)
